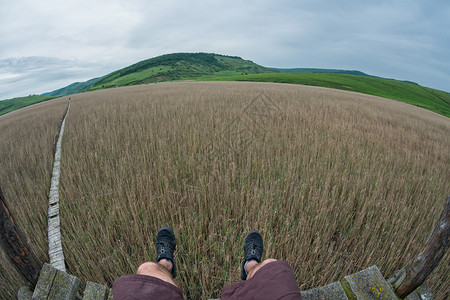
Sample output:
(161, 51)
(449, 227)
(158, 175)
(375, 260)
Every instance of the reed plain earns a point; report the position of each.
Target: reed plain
(335, 181)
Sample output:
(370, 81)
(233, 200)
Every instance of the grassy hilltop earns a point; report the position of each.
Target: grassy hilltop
(209, 66)
(169, 67)
(335, 181)
(179, 66)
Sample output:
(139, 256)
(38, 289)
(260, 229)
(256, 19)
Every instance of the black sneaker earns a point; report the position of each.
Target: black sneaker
(165, 246)
(253, 249)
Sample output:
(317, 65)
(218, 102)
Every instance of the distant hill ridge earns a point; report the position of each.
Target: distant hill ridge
(73, 88)
(185, 66)
(333, 71)
(179, 66)
(211, 66)
(315, 70)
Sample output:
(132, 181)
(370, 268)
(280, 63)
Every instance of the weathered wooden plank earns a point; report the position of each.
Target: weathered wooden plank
(333, 291)
(53, 211)
(110, 295)
(55, 284)
(95, 291)
(24, 293)
(64, 286)
(54, 233)
(15, 247)
(367, 284)
(435, 248)
(45, 282)
(424, 292)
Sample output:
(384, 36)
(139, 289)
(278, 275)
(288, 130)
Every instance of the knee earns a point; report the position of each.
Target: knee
(148, 268)
(257, 267)
(267, 261)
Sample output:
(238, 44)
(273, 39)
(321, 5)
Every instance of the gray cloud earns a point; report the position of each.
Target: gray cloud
(54, 43)
(35, 75)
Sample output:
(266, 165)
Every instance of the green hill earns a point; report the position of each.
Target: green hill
(73, 88)
(434, 100)
(332, 71)
(9, 105)
(179, 66)
(315, 70)
(209, 66)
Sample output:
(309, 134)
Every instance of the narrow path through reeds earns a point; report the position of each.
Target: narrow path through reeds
(55, 251)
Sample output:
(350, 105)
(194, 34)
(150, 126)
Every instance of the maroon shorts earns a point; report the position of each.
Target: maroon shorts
(135, 286)
(274, 281)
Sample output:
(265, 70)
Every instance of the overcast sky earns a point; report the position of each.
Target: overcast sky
(48, 44)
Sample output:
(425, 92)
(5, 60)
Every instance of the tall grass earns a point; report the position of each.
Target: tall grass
(434, 100)
(27, 138)
(334, 181)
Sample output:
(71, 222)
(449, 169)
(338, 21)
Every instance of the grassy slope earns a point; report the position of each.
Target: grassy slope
(205, 66)
(434, 100)
(315, 70)
(179, 66)
(73, 88)
(9, 105)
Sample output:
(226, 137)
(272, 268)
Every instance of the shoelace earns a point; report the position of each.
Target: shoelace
(162, 248)
(253, 249)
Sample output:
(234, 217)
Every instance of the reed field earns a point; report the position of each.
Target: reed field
(27, 139)
(335, 181)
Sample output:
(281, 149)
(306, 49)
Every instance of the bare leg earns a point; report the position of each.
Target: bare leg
(160, 270)
(252, 267)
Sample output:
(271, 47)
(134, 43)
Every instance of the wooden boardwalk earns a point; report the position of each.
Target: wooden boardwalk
(55, 250)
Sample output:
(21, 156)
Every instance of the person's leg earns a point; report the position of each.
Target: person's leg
(253, 266)
(270, 279)
(159, 270)
(153, 280)
(164, 268)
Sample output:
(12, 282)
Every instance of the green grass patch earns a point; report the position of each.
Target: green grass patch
(144, 76)
(431, 99)
(9, 105)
